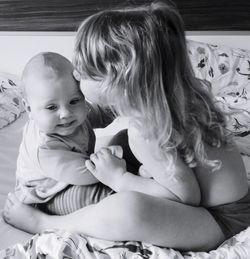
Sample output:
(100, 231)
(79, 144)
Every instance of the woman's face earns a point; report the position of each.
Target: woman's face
(93, 90)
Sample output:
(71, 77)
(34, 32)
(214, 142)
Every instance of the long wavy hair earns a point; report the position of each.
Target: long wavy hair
(142, 51)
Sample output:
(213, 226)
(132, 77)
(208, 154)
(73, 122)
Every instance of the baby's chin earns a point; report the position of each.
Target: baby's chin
(64, 129)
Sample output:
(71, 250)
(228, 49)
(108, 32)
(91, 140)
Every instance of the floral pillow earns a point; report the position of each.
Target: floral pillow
(228, 71)
(10, 99)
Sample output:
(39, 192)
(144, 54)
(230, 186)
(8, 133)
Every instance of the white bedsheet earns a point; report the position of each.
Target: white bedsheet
(10, 138)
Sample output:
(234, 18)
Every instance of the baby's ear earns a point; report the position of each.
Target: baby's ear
(26, 107)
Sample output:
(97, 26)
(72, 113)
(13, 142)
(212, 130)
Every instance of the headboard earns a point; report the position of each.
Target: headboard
(66, 15)
(31, 26)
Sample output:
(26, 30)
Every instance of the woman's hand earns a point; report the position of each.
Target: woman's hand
(106, 167)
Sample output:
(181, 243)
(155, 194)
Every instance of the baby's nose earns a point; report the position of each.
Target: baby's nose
(65, 113)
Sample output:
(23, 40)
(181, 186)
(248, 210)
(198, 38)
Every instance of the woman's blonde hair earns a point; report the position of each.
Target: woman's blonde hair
(142, 51)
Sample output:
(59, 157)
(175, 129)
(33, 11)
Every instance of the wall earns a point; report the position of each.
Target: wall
(17, 48)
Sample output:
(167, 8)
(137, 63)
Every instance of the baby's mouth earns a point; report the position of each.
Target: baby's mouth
(66, 125)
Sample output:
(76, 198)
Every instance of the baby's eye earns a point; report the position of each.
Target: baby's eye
(75, 101)
(51, 107)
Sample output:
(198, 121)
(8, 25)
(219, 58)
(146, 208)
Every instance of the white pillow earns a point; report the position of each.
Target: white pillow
(10, 99)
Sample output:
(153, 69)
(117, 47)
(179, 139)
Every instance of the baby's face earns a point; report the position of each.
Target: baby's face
(56, 104)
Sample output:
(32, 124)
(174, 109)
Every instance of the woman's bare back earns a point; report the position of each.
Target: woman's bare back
(227, 184)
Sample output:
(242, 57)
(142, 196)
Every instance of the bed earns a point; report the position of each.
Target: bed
(218, 55)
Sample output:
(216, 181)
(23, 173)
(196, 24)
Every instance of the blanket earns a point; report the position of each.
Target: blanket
(59, 244)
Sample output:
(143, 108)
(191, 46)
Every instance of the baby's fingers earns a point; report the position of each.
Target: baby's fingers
(93, 169)
(116, 151)
(94, 157)
(104, 152)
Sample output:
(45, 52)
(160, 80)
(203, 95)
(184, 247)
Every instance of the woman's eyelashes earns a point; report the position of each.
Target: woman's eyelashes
(74, 101)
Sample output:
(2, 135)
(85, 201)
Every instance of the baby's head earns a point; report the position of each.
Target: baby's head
(52, 96)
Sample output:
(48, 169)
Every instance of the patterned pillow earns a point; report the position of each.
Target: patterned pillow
(10, 99)
(228, 71)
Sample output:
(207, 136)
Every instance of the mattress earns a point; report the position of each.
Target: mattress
(10, 138)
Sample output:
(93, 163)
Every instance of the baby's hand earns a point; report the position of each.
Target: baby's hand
(116, 151)
(106, 167)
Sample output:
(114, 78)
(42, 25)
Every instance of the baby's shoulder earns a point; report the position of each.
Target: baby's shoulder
(31, 133)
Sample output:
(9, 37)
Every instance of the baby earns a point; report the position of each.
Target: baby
(58, 138)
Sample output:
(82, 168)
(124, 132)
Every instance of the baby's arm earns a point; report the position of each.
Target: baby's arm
(64, 165)
(180, 180)
(61, 164)
(111, 171)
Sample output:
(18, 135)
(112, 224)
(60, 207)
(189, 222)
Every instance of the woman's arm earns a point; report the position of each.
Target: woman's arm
(131, 182)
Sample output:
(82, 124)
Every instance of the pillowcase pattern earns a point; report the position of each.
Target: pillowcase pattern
(228, 71)
(10, 99)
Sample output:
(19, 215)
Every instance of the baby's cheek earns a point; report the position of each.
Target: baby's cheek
(47, 125)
